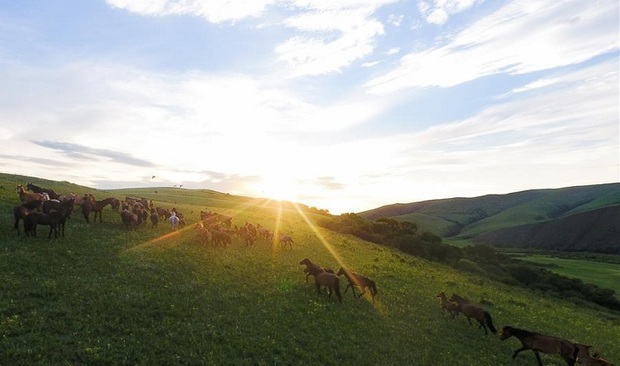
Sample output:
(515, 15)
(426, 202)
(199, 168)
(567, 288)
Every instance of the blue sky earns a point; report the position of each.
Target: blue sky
(343, 105)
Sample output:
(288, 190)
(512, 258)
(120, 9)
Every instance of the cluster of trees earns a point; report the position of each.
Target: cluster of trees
(479, 259)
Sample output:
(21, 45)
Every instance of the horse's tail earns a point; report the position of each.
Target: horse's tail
(373, 288)
(337, 288)
(489, 321)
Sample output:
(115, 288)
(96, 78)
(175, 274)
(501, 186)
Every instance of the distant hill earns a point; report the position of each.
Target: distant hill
(584, 218)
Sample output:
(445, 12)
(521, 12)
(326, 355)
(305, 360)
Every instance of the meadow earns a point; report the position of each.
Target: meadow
(604, 275)
(106, 295)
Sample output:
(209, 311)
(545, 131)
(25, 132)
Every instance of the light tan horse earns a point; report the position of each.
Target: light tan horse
(584, 358)
(27, 197)
(541, 343)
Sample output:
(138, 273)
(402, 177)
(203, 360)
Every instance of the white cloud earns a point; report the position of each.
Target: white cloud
(335, 35)
(438, 11)
(521, 37)
(215, 11)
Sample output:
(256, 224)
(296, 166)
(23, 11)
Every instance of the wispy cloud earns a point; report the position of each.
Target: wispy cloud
(215, 11)
(77, 151)
(521, 37)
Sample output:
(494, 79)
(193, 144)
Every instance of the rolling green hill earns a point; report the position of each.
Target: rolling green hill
(107, 295)
(491, 219)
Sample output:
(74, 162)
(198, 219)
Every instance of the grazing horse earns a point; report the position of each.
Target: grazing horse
(286, 240)
(474, 311)
(27, 197)
(20, 212)
(36, 189)
(447, 305)
(356, 279)
(313, 269)
(331, 281)
(584, 358)
(92, 205)
(541, 343)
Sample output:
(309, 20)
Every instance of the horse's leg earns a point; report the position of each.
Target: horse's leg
(318, 286)
(469, 320)
(538, 358)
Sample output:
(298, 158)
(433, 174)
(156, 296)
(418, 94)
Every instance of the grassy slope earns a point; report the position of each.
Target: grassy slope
(105, 295)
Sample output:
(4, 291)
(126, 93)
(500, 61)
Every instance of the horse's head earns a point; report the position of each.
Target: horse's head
(29, 186)
(505, 333)
(457, 298)
(341, 271)
(305, 261)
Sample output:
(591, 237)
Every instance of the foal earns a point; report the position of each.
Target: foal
(584, 358)
(447, 305)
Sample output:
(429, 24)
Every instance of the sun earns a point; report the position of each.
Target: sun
(279, 187)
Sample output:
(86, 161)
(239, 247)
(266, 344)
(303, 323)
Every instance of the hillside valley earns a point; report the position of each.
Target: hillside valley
(583, 218)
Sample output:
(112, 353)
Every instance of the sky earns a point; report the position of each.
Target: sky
(343, 105)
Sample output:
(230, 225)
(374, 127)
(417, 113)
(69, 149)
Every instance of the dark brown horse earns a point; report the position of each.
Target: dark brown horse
(541, 343)
(130, 219)
(329, 280)
(20, 212)
(474, 311)
(53, 219)
(313, 269)
(357, 280)
(447, 305)
(36, 189)
(92, 205)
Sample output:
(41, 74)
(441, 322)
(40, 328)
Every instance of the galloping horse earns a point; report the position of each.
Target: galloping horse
(37, 189)
(474, 311)
(286, 240)
(541, 343)
(447, 305)
(27, 197)
(356, 279)
(331, 281)
(313, 269)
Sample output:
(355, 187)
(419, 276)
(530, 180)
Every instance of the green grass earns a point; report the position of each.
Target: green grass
(106, 296)
(604, 275)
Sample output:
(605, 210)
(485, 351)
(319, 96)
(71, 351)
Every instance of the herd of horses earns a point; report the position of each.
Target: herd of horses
(572, 353)
(40, 206)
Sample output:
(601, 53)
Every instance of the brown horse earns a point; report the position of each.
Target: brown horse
(286, 240)
(584, 358)
(313, 269)
(474, 311)
(541, 343)
(92, 205)
(331, 281)
(356, 279)
(447, 305)
(27, 197)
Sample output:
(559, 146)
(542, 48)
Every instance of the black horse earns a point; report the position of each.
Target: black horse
(36, 189)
